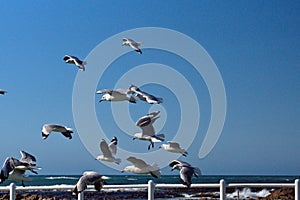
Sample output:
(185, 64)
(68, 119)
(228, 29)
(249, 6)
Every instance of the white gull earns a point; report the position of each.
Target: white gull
(174, 147)
(141, 167)
(89, 178)
(48, 128)
(15, 169)
(144, 96)
(109, 151)
(148, 132)
(74, 60)
(186, 171)
(133, 44)
(116, 95)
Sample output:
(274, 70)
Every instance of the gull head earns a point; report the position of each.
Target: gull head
(99, 157)
(133, 88)
(137, 136)
(44, 135)
(128, 169)
(105, 97)
(125, 43)
(177, 166)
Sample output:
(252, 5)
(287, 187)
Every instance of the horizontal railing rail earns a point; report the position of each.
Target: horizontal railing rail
(12, 188)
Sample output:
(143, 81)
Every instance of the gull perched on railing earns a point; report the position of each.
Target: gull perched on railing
(141, 167)
(148, 132)
(74, 60)
(133, 44)
(186, 171)
(109, 151)
(15, 169)
(144, 96)
(174, 147)
(117, 95)
(89, 178)
(48, 128)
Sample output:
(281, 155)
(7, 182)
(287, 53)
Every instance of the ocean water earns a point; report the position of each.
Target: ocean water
(161, 194)
(45, 180)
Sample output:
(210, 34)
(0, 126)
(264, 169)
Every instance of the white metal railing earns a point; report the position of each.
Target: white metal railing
(151, 187)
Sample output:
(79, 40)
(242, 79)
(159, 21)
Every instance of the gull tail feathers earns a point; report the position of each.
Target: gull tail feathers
(158, 138)
(197, 171)
(133, 99)
(134, 88)
(160, 100)
(155, 174)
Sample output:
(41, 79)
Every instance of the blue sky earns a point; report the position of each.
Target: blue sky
(255, 45)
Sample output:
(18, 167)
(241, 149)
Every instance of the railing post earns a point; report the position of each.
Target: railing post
(151, 188)
(222, 190)
(81, 195)
(12, 191)
(297, 189)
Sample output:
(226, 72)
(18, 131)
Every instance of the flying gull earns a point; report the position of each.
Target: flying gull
(89, 178)
(2, 91)
(148, 132)
(174, 147)
(74, 60)
(133, 44)
(15, 169)
(48, 128)
(144, 96)
(27, 158)
(186, 171)
(117, 95)
(141, 167)
(109, 151)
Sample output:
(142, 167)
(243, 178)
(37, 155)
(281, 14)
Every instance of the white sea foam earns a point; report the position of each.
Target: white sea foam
(247, 193)
(61, 177)
(132, 179)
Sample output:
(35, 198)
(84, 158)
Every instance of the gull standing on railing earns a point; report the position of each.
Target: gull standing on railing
(89, 178)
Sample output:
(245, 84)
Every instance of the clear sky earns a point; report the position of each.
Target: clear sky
(255, 46)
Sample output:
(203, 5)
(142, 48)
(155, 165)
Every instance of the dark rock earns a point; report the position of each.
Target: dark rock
(282, 194)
